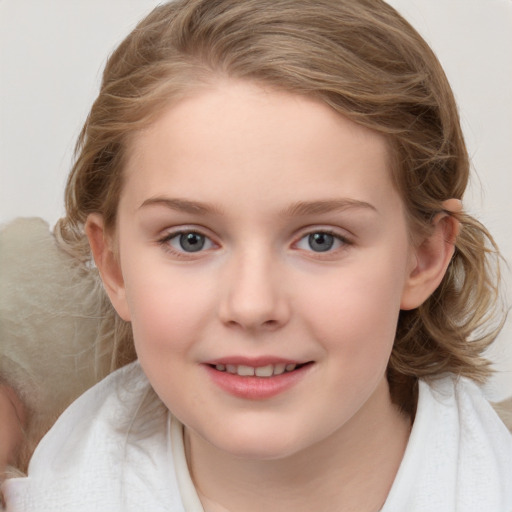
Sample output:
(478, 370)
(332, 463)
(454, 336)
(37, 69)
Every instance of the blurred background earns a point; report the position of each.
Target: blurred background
(52, 53)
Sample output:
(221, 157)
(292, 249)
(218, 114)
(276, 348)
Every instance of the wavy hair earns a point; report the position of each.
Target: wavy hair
(366, 62)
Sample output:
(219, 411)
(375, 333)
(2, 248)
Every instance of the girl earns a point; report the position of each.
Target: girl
(271, 193)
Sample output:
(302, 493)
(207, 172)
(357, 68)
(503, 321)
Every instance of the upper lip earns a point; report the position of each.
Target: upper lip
(254, 362)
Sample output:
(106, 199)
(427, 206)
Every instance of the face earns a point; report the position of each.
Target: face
(263, 258)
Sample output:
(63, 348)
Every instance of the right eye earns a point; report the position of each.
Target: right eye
(188, 242)
(322, 242)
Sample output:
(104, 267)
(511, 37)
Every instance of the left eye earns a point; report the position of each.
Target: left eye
(320, 241)
(189, 241)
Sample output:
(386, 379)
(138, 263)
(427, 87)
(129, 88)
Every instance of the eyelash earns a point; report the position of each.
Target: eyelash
(165, 243)
(337, 238)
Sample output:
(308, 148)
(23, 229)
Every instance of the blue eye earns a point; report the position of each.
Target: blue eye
(189, 241)
(320, 241)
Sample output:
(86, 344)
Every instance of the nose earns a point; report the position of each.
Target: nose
(254, 295)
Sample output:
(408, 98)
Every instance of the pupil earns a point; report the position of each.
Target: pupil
(321, 242)
(191, 242)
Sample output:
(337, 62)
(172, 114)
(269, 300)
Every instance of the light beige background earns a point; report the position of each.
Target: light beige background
(52, 53)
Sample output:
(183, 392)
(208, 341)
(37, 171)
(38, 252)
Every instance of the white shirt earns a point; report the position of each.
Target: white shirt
(118, 449)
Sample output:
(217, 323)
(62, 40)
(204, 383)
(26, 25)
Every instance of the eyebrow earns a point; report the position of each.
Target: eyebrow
(326, 206)
(300, 208)
(182, 205)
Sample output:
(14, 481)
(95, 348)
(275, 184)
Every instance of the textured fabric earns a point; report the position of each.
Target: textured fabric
(117, 448)
(110, 451)
(459, 455)
(49, 321)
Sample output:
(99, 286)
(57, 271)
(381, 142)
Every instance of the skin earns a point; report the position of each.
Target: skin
(11, 433)
(274, 169)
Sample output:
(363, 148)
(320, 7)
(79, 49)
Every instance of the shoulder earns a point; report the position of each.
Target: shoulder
(462, 401)
(106, 451)
(459, 456)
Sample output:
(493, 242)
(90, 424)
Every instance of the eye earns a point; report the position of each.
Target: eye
(188, 241)
(321, 241)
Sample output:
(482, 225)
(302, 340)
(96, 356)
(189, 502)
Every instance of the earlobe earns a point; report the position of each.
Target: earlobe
(105, 257)
(430, 261)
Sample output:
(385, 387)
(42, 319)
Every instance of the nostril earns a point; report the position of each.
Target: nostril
(270, 324)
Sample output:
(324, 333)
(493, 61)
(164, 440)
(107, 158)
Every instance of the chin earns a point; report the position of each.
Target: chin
(259, 442)
(261, 451)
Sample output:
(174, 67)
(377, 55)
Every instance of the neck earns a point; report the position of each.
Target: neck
(351, 470)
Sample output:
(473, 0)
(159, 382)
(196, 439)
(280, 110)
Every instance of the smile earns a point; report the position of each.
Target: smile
(260, 380)
(260, 371)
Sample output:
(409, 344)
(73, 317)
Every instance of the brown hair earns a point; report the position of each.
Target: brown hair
(362, 59)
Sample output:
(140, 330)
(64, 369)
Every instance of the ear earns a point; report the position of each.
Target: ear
(105, 256)
(430, 259)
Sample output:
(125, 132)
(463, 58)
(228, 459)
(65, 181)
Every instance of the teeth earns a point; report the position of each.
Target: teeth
(260, 371)
(264, 371)
(245, 371)
(279, 368)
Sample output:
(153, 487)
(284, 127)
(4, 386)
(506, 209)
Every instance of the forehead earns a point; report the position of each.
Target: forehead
(256, 143)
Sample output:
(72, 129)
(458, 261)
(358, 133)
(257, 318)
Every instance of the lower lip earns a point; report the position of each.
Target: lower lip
(257, 388)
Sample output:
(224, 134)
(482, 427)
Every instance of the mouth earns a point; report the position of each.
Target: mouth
(257, 379)
(267, 371)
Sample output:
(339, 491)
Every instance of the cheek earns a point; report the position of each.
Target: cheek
(167, 310)
(358, 310)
